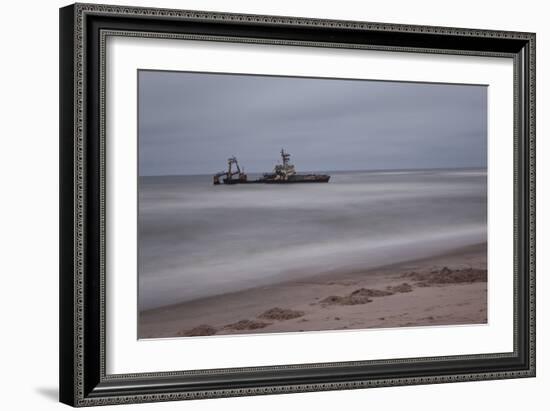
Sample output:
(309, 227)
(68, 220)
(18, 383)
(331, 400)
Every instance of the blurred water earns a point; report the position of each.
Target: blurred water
(196, 239)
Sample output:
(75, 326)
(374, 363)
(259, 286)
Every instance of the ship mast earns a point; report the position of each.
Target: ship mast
(285, 156)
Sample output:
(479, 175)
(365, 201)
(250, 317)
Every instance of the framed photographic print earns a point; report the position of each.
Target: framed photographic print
(262, 204)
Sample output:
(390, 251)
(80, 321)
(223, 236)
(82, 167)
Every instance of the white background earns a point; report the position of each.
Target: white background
(29, 206)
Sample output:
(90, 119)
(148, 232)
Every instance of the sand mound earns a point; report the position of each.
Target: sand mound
(246, 325)
(201, 330)
(277, 313)
(401, 288)
(339, 300)
(448, 276)
(368, 292)
(360, 296)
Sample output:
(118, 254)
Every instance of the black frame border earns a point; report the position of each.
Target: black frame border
(83, 30)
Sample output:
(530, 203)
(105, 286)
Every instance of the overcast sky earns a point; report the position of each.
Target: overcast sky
(190, 123)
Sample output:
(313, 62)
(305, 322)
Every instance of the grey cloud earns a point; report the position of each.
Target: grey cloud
(189, 123)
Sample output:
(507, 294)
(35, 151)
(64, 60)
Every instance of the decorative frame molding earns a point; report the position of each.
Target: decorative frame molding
(83, 32)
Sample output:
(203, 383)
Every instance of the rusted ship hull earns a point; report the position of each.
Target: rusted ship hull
(315, 178)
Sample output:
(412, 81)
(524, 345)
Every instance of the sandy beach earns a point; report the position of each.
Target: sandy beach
(447, 289)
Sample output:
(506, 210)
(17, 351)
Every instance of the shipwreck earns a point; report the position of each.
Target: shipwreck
(284, 173)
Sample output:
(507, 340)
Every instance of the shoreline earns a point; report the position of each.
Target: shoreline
(446, 289)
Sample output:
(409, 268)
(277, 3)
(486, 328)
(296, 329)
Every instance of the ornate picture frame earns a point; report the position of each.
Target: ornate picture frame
(84, 31)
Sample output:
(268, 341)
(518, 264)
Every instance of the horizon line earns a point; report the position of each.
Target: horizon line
(329, 171)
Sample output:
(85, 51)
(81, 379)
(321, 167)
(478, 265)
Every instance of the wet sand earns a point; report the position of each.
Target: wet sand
(447, 289)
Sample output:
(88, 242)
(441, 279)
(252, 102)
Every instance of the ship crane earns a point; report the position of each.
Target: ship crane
(230, 162)
(228, 175)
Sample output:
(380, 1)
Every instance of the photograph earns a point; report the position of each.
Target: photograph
(279, 204)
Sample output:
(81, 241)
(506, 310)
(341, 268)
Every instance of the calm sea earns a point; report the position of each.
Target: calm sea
(196, 239)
